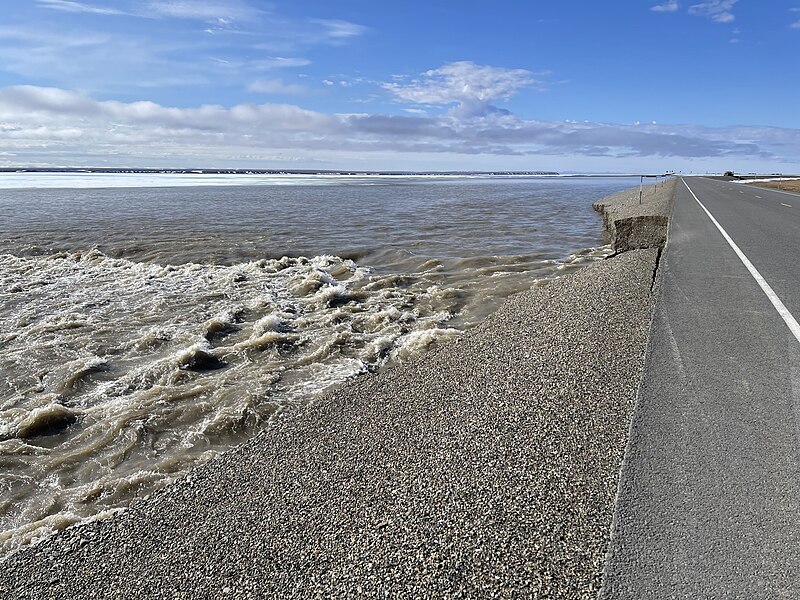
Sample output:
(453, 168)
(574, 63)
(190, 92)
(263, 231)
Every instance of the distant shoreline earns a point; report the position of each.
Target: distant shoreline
(350, 173)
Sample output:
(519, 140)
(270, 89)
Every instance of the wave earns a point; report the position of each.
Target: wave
(120, 376)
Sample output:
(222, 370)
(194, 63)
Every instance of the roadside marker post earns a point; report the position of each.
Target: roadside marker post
(641, 185)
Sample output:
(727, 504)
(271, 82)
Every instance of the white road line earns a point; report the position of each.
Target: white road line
(787, 317)
(795, 194)
(759, 197)
(786, 205)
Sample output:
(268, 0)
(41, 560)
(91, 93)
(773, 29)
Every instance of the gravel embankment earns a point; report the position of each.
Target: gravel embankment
(488, 468)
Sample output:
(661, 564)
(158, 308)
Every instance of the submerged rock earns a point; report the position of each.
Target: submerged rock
(203, 361)
(50, 420)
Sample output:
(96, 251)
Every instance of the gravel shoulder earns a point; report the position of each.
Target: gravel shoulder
(487, 468)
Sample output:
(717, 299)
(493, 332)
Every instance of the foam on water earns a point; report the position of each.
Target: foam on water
(120, 376)
(110, 363)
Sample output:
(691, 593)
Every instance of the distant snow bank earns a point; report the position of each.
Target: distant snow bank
(123, 180)
(87, 180)
(770, 179)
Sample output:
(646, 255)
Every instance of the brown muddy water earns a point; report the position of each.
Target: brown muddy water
(145, 330)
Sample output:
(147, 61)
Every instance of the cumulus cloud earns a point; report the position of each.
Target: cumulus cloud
(718, 11)
(471, 87)
(669, 6)
(44, 123)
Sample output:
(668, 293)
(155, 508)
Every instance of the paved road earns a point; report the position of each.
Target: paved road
(709, 499)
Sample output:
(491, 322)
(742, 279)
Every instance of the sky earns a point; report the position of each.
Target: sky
(567, 85)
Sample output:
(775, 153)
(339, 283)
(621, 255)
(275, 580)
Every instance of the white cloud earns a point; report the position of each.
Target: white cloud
(669, 6)
(463, 81)
(248, 39)
(78, 7)
(43, 125)
(95, 60)
(283, 62)
(470, 86)
(718, 11)
(112, 62)
(338, 29)
(220, 12)
(286, 35)
(273, 62)
(246, 67)
(42, 38)
(278, 87)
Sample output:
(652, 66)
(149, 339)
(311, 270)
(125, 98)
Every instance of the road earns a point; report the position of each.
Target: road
(709, 496)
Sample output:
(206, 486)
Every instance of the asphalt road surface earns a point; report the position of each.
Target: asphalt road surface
(709, 497)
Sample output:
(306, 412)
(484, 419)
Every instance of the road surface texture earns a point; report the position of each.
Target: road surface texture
(709, 497)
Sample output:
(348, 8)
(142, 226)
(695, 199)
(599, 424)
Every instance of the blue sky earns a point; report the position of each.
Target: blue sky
(355, 84)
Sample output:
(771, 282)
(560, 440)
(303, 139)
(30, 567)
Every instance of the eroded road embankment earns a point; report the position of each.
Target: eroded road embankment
(487, 468)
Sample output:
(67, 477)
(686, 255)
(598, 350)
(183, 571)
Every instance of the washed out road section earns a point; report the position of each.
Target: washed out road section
(486, 468)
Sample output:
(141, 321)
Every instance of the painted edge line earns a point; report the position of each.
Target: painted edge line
(787, 317)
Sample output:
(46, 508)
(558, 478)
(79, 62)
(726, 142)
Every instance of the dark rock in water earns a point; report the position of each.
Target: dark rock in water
(216, 333)
(52, 420)
(337, 301)
(203, 361)
(341, 299)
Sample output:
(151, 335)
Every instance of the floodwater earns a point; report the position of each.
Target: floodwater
(145, 330)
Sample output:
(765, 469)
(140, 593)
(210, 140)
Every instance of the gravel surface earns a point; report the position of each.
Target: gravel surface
(488, 468)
